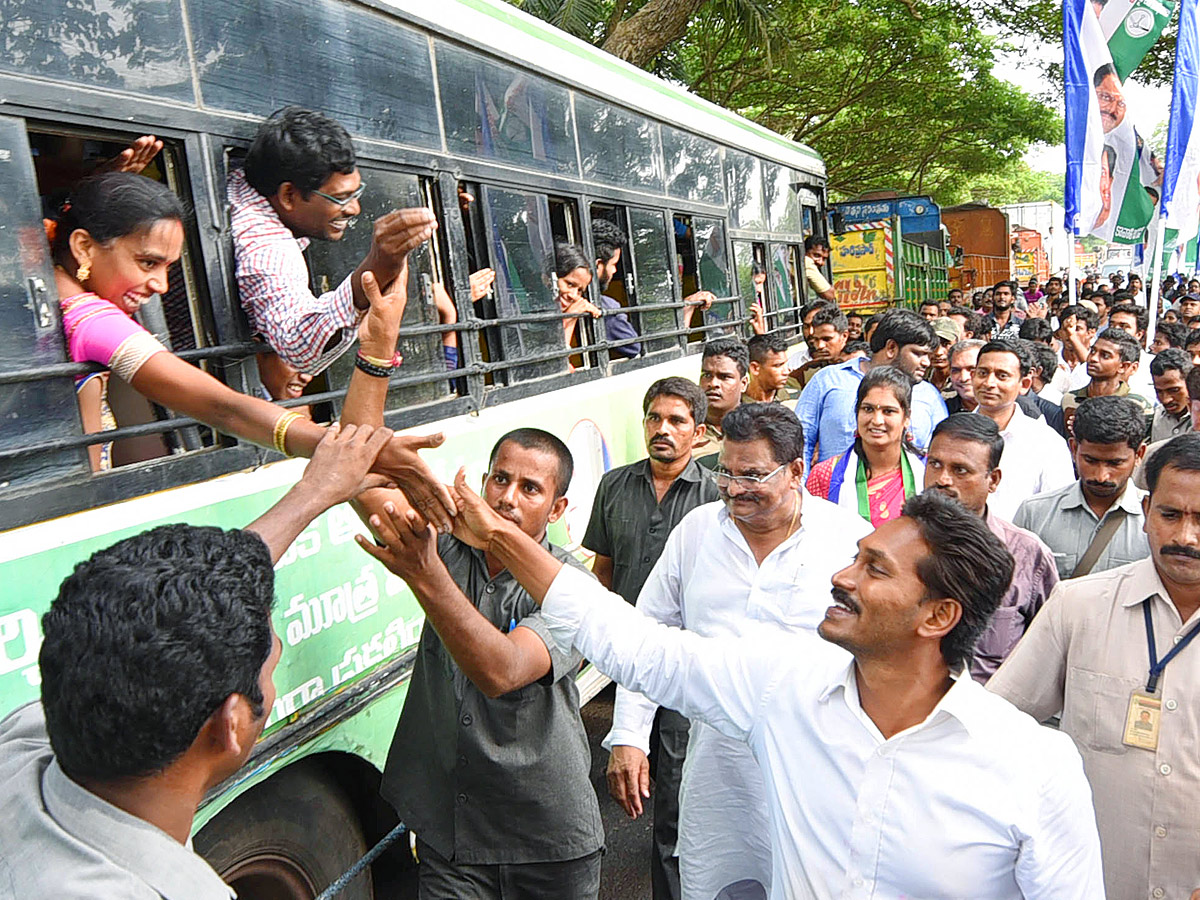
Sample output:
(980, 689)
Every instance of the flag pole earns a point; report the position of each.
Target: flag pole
(1155, 283)
(1072, 293)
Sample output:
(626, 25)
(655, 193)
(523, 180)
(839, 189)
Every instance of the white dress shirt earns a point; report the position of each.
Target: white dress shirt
(1142, 381)
(1035, 459)
(978, 801)
(708, 581)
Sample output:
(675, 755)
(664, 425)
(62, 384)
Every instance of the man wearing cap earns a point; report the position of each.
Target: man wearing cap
(948, 334)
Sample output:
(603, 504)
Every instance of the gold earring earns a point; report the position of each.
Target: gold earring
(84, 270)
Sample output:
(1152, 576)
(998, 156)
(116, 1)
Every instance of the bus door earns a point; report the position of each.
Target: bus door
(32, 412)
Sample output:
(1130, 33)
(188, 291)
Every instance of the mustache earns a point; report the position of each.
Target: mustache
(663, 438)
(841, 596)
(1106, 485)
(1176, 550)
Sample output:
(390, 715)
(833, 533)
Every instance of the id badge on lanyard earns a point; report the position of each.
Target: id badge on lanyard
(1145, 706)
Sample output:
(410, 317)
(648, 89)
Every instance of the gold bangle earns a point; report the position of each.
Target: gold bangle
(282, 424)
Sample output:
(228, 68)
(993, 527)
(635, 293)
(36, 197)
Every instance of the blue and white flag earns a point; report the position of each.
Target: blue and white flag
(1086, 51)
(1181, 175)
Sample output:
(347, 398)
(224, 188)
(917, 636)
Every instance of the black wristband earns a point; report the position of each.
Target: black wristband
(371, 369)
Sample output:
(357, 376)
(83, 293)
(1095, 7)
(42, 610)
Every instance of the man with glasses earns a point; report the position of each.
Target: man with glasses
(300, 183)
(761, 558)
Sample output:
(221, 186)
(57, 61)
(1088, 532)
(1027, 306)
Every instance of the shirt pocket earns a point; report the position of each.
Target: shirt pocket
(1096, 714)
(1006, 627)
(1066, 563)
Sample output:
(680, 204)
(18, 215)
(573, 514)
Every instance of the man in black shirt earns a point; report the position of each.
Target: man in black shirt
(636, 507)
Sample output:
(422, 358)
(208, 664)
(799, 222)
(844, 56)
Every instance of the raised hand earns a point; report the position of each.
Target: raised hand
(481, 283)
(135, 157)
(399, 233)
(381, 327)
(476, 523)
(401, 461)
(340, 466)
(409, 542)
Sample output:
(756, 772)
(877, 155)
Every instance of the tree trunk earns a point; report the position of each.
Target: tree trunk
(645, 34)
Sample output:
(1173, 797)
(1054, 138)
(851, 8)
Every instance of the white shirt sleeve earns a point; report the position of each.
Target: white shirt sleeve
(1061, 858)
(721, 681)
(1058, 470)
(661, 600)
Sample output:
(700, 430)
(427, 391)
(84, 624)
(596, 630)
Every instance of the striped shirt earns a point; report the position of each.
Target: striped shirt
(273, 282)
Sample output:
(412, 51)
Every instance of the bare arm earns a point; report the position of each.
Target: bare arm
(377, 338)
(496, 663)
(337, 472)
(395, 236)
(602, 568)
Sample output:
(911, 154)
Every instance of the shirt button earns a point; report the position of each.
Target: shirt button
(466, 720)
(1159, 831)
(462, 760)
(462, 798)
(653, 530)
(1178, 638)
(491, 589)
(1159, 893)
(1171, 704)
(1165, 769)
(645, 559)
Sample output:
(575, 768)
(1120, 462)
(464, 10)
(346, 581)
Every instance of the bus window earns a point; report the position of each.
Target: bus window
(63, 156)
(749, 258)
(649, 248)
(783, 206)
(692, 167)
(521, 245)
(31, 412)
(331, 261)
(703, 265)
(784, 286)
(618, 146)
(743, 174)
(495, 111)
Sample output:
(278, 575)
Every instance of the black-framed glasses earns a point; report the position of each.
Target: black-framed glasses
(724, 477)
(342, 201)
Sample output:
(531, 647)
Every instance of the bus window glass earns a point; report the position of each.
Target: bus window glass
(617, 146)
(499, 112)
(782, 203)
(331, 261)
(649, 249)
(124, 46)
(784, 286)
(743, 173)
(744, 260)
(692, 167)
(521, 244)
(712, 264)
(364, 69)
(31, 412)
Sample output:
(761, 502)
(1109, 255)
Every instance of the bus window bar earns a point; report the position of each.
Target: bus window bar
(475, 369)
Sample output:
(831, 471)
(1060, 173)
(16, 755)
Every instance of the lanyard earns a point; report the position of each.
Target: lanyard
(1157, 665)
(860, 484)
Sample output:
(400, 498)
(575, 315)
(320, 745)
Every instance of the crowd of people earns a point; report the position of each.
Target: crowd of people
(913, 604)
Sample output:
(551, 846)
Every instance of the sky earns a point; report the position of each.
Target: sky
(1149, 106)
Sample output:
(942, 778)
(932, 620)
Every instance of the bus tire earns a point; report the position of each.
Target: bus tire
(287, 838)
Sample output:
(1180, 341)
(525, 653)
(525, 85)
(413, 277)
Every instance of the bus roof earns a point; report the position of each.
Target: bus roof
(497, 25)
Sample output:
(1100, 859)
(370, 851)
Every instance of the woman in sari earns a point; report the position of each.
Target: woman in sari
(112, 243)
(880, 470)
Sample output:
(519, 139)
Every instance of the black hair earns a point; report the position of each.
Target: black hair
(1110, 420)
(856, 347)
(1193, 384)
(971, 427)
(855, 313)
(1044, 359)
(1012, 286)
(681, 389)
(775, 424)
(732, 347)
(960, 346)
(966, 562)
(1181, 452)
(300, 146)
(1103, 72)
(831, 315)
(568, 258)
(810, 308)
(1141, 316)
(952, 290)
(813, 241)
(925, 303)
(1016, 348)
(1127, 345)
(1171, 360)
(112, 205)
(1037, 330)
(761, 344)
(900, 385)
(904, 327)
(1192, 338)
(1176, 333)
(1090, 318)
(543, 442)
(607, 238)
(146, 639)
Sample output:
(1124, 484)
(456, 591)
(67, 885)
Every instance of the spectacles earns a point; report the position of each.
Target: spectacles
(343, 201)
(724, 477)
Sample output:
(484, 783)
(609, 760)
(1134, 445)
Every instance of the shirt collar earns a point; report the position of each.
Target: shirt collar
(960, 702)
(170, 868)
(1143, 584)
(1130, 499)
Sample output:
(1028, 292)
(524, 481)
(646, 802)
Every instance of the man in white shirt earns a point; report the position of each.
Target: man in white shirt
(1036, 457)
(761, 557)
(892, 775)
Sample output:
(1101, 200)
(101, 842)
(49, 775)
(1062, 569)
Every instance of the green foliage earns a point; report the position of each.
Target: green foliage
(1015, 182)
